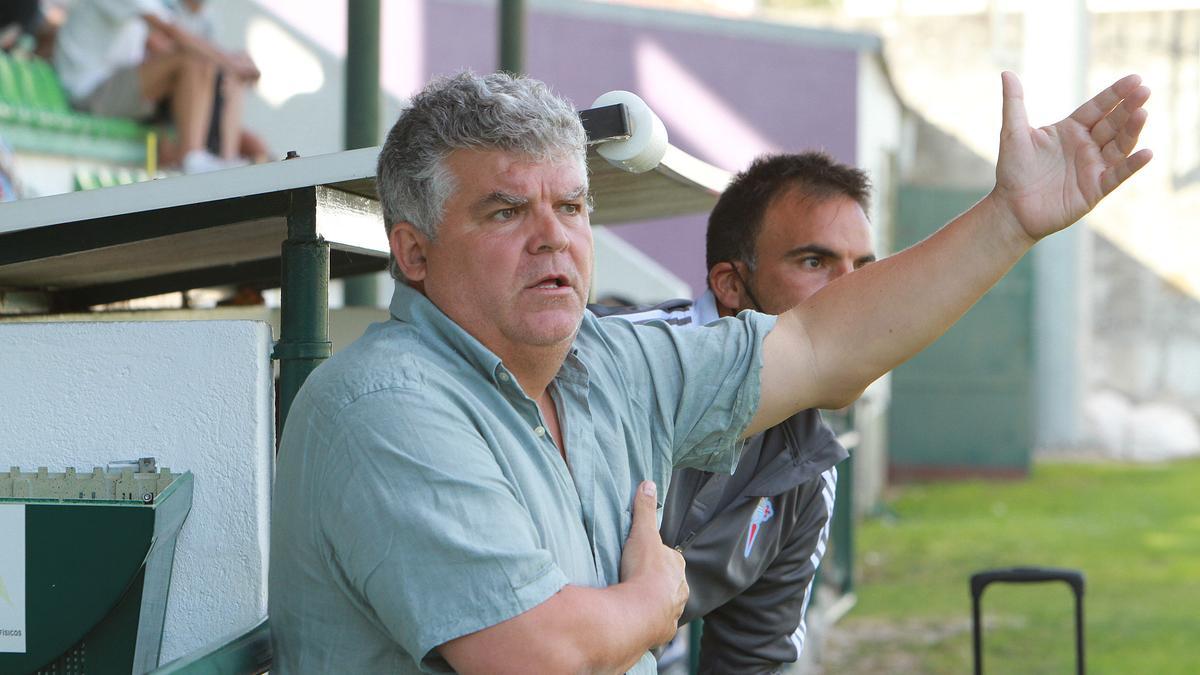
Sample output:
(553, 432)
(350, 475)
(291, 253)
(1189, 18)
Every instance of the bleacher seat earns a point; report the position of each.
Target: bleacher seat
(35, 116)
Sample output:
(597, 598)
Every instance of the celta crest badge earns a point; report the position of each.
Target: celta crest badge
(762, 513)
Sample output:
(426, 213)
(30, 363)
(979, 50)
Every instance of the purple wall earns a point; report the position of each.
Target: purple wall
(724, 99)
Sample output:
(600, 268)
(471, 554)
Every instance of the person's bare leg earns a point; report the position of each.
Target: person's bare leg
(189, 81)
(169, 152)
(233, 90)
(192, 102)
(253, 148)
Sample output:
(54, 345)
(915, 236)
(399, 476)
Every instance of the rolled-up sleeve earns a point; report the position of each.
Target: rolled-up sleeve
(701, 385)
(422, 521)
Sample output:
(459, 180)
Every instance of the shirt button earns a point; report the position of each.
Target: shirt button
(503, 376)
(539, 431)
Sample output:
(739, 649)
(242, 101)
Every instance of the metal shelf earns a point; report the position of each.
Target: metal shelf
(293, 224)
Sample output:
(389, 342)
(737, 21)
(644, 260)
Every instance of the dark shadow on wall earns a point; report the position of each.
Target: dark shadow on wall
(963, 406)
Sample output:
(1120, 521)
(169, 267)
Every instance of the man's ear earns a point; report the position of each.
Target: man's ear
(409, 246)
(726, 287)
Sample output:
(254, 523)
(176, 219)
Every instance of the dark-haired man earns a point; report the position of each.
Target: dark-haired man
(783, 229)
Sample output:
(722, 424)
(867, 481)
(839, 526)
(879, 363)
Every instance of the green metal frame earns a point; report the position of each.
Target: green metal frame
(841, 534)
(304, 300)
(512, 36)
(362, 111)
(362, 74)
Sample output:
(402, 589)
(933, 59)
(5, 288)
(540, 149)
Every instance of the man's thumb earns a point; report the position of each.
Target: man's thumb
(1013, 117)
(645, 506)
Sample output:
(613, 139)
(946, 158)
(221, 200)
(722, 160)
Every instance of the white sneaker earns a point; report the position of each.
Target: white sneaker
(202, 161)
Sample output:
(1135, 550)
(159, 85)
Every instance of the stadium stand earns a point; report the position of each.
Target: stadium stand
(36, 117)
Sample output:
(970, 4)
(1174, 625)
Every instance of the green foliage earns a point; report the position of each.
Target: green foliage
(1133, 530)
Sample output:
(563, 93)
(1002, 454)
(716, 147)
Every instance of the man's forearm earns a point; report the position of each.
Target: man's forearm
(910, 300)
(826, 351)
(193, 43)
(861, 326)
(579, 629)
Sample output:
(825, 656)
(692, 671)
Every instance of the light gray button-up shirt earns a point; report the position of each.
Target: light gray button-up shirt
(418, 497)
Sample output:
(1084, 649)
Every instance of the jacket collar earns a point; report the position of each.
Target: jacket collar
(705, 309)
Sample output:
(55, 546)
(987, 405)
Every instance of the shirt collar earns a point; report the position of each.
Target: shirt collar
(440, 331)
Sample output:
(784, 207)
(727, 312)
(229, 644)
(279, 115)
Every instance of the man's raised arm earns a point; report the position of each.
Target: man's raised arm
(823, 353)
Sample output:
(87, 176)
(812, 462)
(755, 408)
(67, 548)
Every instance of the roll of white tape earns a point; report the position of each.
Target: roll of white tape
(647, 142)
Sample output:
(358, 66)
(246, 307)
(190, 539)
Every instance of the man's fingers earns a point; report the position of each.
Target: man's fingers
(1111, 126)
(1013, 118)
(1128, 137)
(1094, 110)
(645, 507)
(1106, 129)
(1115, 175)
(1126, 140)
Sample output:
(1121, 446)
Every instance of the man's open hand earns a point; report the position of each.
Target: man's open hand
(1050, 177)
(656, 569)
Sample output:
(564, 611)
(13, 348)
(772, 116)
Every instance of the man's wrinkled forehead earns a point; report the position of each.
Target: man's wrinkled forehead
(517, 175)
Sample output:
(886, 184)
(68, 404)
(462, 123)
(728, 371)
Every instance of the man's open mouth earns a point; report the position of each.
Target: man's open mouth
(552, 281)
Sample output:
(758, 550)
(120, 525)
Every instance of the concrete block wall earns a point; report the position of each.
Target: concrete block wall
(196, 395)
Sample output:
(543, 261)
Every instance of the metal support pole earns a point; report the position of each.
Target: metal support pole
(695, 633)
(304, 300)
(843, 512)
(362, 110)
(362, 74)
(512, 36)
(843, 526)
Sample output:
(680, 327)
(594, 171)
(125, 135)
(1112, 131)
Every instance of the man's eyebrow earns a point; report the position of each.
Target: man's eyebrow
(867, 259)
(578, 193)
(499, 197)
(810, 249)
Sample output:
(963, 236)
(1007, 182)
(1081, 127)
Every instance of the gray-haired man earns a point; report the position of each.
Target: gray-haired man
(453, 489)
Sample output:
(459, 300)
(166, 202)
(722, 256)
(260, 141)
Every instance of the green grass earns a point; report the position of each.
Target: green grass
(1133, 530)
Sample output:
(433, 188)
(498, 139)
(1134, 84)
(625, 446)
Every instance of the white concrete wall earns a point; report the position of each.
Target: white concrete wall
(1140, 292)
(880, 137)
(198, 396)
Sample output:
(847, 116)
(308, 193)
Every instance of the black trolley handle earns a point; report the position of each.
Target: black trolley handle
(1026, 575)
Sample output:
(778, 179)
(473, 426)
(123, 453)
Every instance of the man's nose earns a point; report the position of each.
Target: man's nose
(842, 268)
(549, 233)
